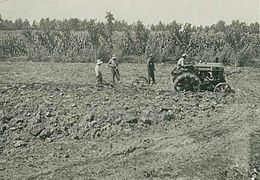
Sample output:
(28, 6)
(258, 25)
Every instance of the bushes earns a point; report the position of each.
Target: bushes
(104, 52)
(227, 55)
(67, 46)
(245, 57)
(158, 46)
(133, 59)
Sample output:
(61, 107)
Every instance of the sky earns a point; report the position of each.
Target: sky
(197, 12)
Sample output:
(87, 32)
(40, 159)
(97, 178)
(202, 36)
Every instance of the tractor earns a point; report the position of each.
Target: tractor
(200, 77)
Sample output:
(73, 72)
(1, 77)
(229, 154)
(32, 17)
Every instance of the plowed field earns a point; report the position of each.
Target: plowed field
(56, 124)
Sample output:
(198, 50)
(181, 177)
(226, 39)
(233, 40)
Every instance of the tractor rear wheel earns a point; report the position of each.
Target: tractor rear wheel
(222, 88)
(187, 82)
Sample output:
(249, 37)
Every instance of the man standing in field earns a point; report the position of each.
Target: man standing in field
(113, 63)
(181, 61)
(216, 60)
(98, 72)
(151, 69)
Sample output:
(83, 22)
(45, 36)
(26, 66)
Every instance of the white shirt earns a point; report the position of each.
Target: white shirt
(113, 63)
(180, 62)
(98, 70)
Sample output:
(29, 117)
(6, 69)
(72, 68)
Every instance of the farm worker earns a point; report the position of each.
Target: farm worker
(151, 69)
(98, 71)
(216, 60)
(113, 63)
(181, 61)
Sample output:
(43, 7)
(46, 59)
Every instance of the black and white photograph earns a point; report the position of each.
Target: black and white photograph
(130, 89)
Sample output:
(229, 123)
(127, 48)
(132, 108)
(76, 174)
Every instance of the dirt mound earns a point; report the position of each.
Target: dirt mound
(141, 81)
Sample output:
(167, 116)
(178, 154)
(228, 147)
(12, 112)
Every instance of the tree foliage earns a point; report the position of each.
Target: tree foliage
(233, 43)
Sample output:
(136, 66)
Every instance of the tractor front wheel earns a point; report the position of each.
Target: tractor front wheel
(222, 88)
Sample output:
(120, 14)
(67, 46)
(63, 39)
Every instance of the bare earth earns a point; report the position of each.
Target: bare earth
(56, 124)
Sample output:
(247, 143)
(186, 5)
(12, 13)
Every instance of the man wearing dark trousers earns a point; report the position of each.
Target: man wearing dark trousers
(151, 69)
(113, 63)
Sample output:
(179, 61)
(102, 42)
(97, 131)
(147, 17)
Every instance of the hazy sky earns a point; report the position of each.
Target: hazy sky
(204, 12)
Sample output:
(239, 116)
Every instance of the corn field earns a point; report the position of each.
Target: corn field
(234, 43)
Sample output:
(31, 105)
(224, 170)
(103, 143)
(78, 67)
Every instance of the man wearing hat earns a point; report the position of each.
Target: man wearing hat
(113, 63)
(181, 61)
(151, 69)
(98, 72)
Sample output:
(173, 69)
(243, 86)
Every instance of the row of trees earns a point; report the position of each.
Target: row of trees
(59, 25)
(235, 42)
(117, 25)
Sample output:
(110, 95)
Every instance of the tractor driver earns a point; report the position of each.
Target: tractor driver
(181, 61)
